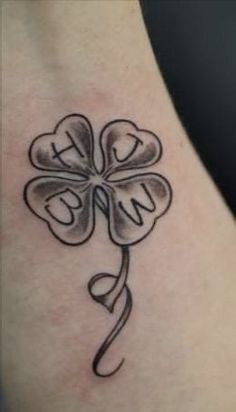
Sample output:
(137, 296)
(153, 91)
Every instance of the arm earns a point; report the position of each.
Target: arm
(94, 58)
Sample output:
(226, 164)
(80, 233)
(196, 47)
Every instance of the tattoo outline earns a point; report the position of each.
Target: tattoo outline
(68, 197)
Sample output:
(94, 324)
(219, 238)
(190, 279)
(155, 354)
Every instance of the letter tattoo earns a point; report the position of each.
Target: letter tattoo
(72, 189)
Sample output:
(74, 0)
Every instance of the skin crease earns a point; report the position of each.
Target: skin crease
(94, 58)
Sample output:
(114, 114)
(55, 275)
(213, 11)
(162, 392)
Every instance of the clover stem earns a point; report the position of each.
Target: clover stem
(101, 201)
(119, 284)
(108, 300)
(114, 291)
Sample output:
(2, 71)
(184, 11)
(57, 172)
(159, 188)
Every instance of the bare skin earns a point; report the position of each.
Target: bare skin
(94, 58)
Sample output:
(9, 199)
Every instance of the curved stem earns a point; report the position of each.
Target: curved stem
(120, 282)
(113, 334)
(109, 298)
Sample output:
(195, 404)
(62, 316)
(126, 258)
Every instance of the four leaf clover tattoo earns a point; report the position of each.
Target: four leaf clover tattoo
(72, 189)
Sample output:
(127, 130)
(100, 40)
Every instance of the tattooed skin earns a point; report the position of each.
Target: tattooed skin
(71, 189)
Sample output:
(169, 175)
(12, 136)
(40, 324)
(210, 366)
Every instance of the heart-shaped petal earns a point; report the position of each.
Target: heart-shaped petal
(65, 204)
(125, 147)
(135, 204)
(69, 148)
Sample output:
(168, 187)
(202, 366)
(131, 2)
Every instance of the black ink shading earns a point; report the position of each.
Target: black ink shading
(69, 197)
